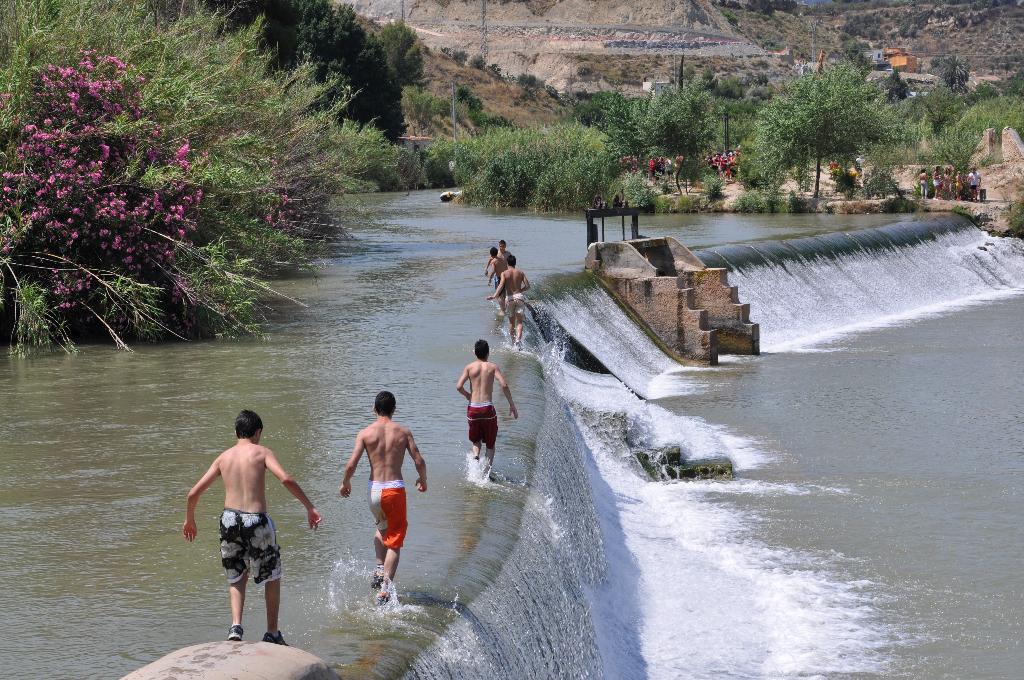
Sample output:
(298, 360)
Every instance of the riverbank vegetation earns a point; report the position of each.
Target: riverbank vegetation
(155, 169)
(559, 168)
(161, 161)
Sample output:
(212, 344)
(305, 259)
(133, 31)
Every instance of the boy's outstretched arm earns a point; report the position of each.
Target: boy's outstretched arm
(289, 482)
(512, 411)
(350, 466)
(421, 464)
(189, 529)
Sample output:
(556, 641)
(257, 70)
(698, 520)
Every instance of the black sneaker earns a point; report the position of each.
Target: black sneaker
(275, 638)
(378, 579)
(235, 633)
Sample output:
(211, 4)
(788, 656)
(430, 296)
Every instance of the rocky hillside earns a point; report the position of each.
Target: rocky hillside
(986, 32)
(589, 45)
(545, 37)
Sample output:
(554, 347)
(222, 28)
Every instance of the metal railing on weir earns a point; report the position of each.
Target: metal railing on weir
(593, 214)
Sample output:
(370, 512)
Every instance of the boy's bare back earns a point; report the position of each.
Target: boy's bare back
(481, 379)
(386, 443)
(243, 468)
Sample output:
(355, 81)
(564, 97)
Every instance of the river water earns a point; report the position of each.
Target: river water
(873, 530)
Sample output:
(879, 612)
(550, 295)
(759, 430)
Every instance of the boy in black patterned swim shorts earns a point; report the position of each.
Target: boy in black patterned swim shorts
(248, 542)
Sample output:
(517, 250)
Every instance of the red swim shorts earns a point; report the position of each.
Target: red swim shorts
(387, 503)
(483, 424)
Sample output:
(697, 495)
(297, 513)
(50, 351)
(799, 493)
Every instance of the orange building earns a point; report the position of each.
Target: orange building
(901, 60)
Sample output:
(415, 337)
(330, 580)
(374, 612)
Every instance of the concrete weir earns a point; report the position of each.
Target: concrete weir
(236, 660)
(689, 307)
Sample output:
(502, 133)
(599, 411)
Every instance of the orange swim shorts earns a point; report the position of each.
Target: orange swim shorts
(387, 503)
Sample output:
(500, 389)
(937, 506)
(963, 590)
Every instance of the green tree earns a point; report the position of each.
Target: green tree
(942, 107)
(594, 110)
(896, 89)
(623, 121)
(405, 56)
(680, 122)
(835, 114)
(955, 146)
(352, 63)
(954, 71)
(421, 107)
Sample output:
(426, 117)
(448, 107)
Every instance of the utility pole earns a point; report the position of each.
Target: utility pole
(483, 29)
(403, 11)
(725, 125)
(454, 121)
(814, 30)
(455, 136)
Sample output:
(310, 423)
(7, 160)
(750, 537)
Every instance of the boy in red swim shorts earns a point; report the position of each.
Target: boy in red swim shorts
(385, 443)
(483, 419)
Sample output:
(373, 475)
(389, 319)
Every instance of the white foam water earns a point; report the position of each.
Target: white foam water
(594, 319)
(713, 601)
(802, 303)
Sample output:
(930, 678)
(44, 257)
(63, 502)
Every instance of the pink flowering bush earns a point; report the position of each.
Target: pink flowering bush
(157, 207)
(99, 197)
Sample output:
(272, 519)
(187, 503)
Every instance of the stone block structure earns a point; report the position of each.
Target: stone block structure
(688, 307)
(1013, 147)
(987, 146)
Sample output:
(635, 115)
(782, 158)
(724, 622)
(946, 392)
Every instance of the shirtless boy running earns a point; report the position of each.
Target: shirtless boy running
(248, 543)
(495, 266)
(385, 443)
(513, 284)
(483, 419)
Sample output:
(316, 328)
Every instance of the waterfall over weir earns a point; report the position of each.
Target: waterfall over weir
(806, 290)
(615, 575)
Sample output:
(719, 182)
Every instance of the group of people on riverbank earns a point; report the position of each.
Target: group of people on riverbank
(248, 540)
(724, 163)
(949, 185)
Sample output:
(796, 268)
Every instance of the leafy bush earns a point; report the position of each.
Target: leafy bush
(688, 204)
(752, 201)
(459, 56)
(403, 51)
(559, 168)
(636, 191)
(664, 204)
(899, 204)
(410, 170)
(478, 62)
(994, 113)
(758, 201)
(955, 146)
(964, 212)
(1017, 220)
(185, 174)
(528, 81)
(798, 204)
(845, 183)
(879, 183)
(436, 164)
(714, 186)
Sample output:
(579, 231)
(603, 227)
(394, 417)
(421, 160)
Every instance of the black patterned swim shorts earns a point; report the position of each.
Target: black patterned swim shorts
(248, 542)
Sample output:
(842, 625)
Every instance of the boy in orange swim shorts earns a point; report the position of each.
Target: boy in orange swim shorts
(385, 443)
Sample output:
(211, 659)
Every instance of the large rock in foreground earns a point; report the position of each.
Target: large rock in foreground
(231, 660)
